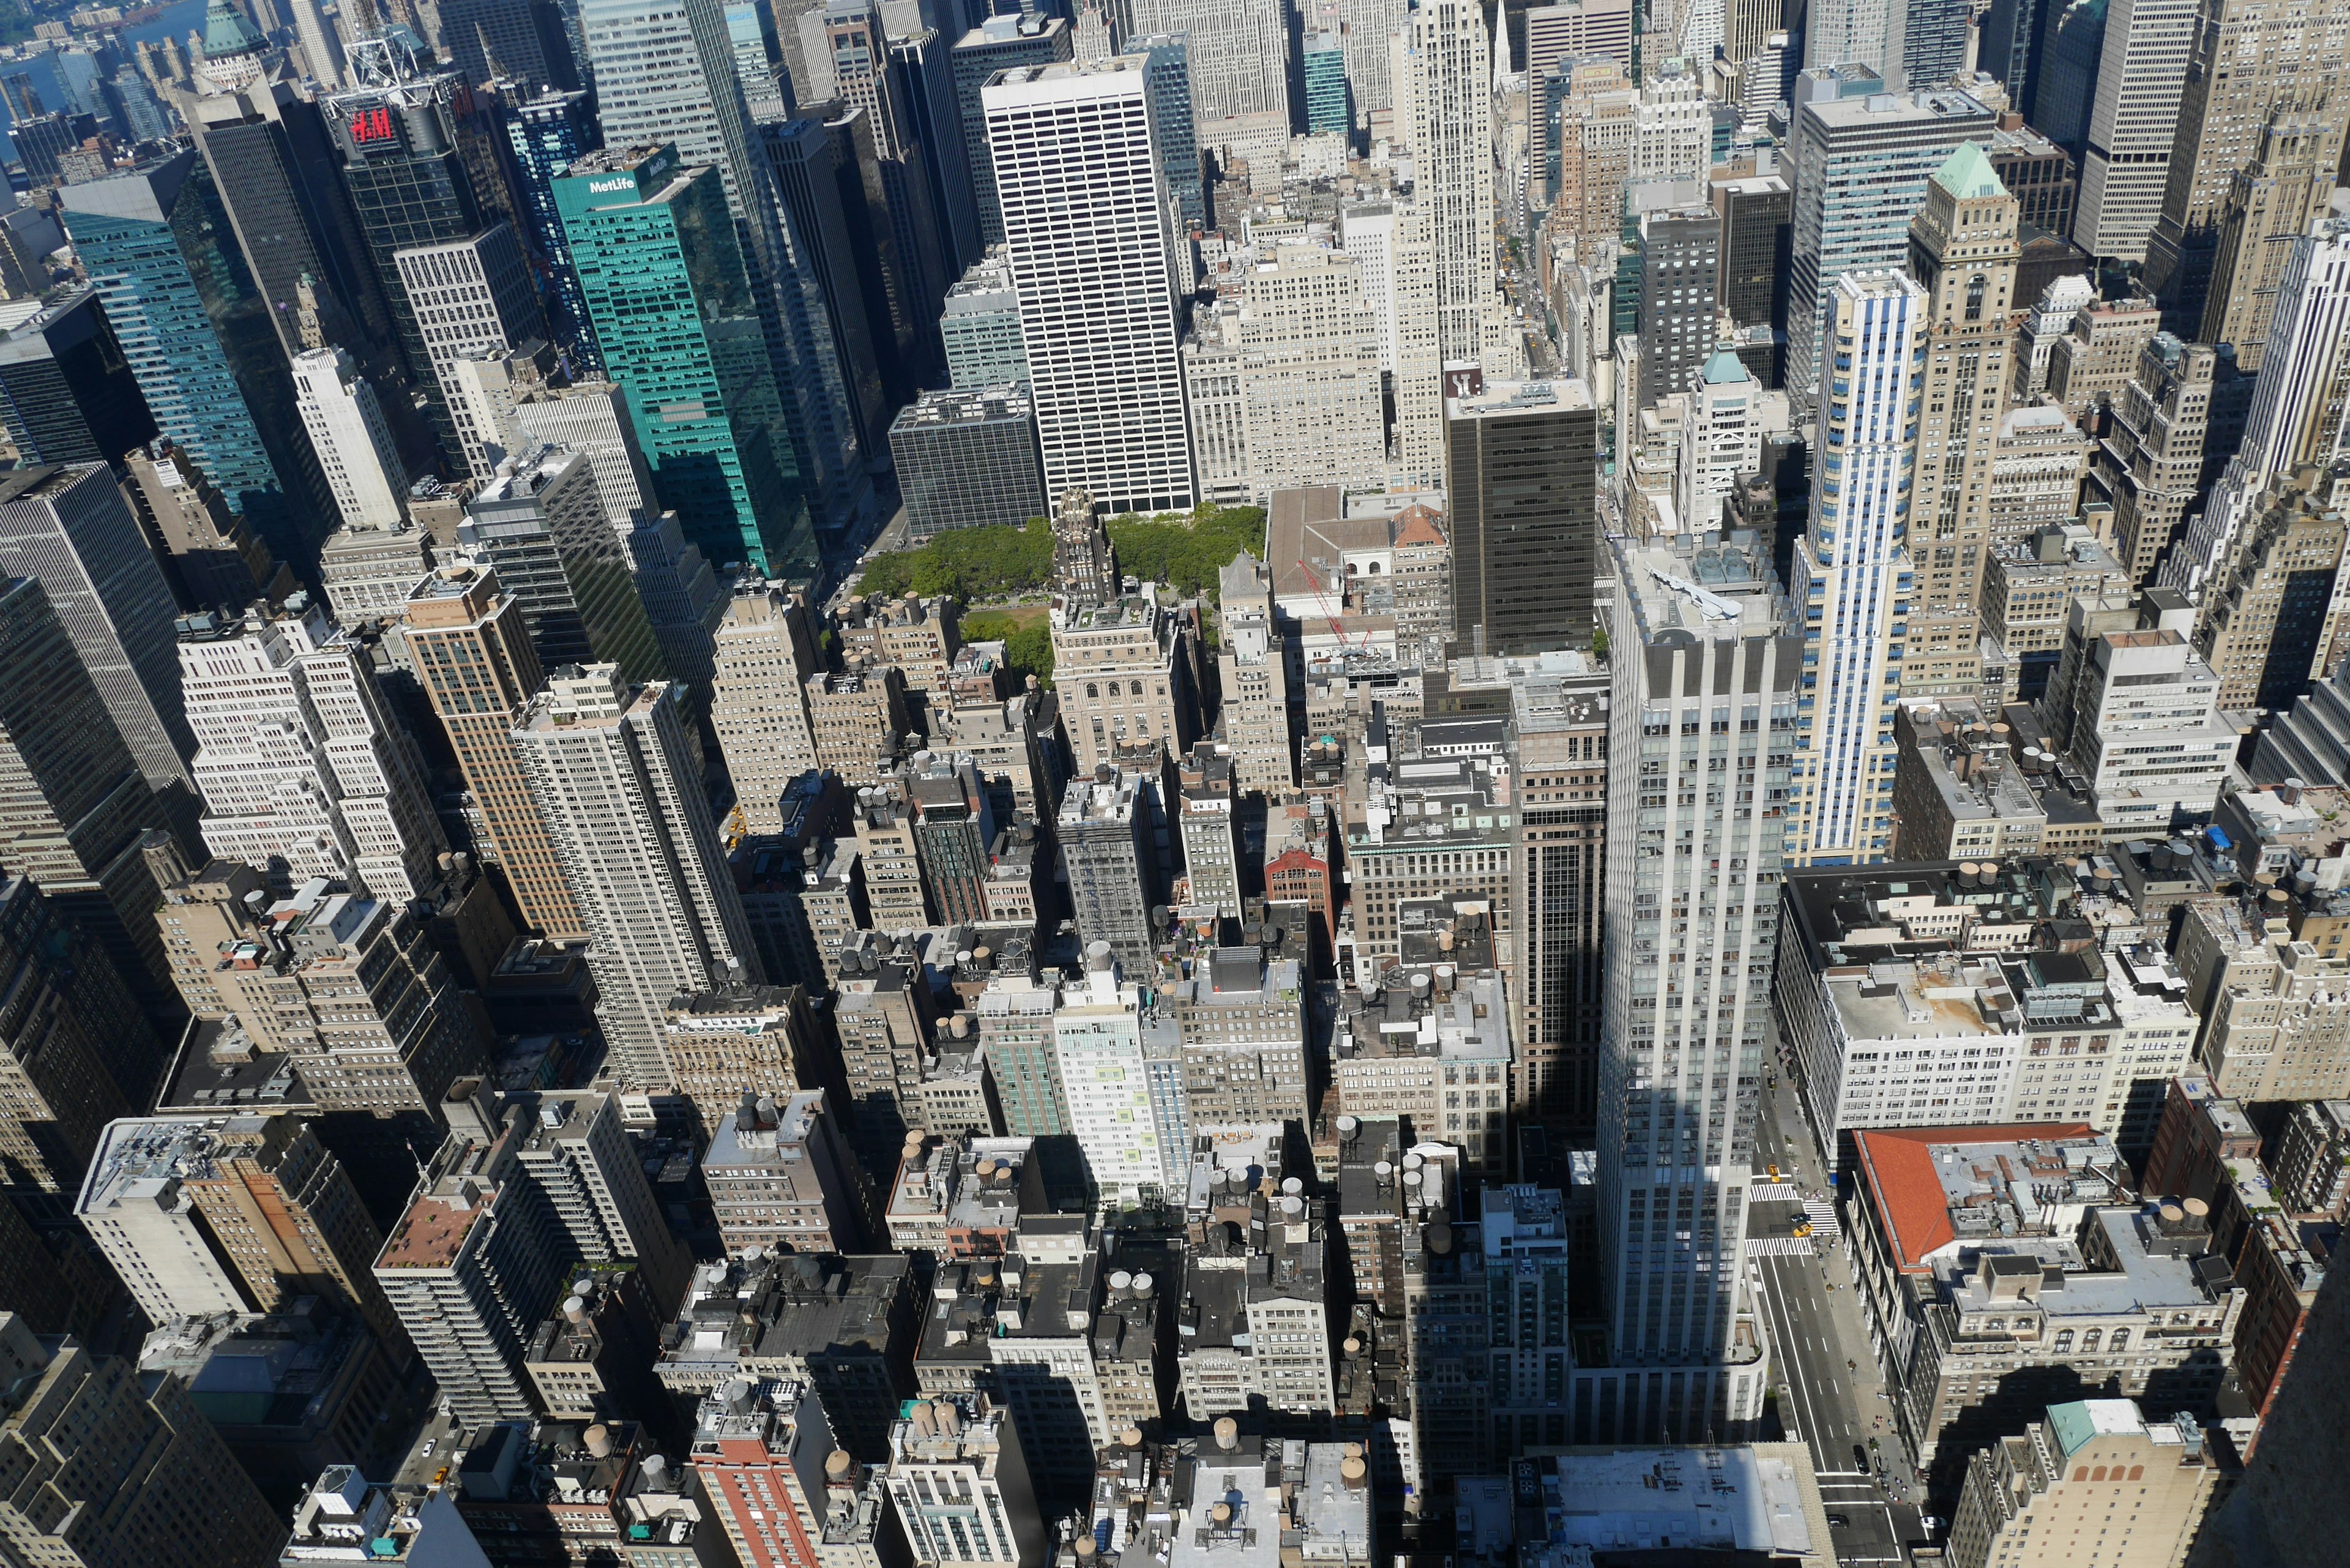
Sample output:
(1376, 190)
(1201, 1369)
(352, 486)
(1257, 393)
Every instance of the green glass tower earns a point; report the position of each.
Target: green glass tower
(1328, 111)
(673, 312)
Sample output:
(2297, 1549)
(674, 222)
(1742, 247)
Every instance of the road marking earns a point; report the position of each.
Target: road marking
(1781, 1247)
(1765, 1191)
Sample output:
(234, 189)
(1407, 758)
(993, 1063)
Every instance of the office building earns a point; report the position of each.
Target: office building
(953, 828)
(303, 769)
(1962, 254)
(352, 439)
(1755, 213)
(981, 326)
(1721, 438)
(67, 392)
(1869, 1060)
(967, 458)
(212, 554)
(1860, 166)
(2030, 586)
(1264, 1298)
(766, 655)
(540, 522)
(1105, 833)
(546, 132)
(1558, 987)
(474, 1265)
(1097, 300)
(1410, 1046)
(1310, 393)
(231, 1212)
(1525, 535)
(2060, 1472)
(473, 654)
(1240, 107)
(159, 250)
(998, 43)
(2271, 201)
(1448, 68)
(61, 1055)
(724, 1043)
(2268, 624)
(886, 847)
(858, 718)
(1121, 1083)
(1855, 565)
(166, 1476)
(1322, 62)
(641, 220)
(2149, 466)
(1671, 132)
(945, 1448)
(2136, 111)
(1671, 1106)
(77, 811)
(2134, 709)
(575, 1149)
(608, 765)
(470, 296)
(2276, 1026)
(2039, 175)
(1252, 670)
(2247, 64)
(68, 528)
(1137, 660)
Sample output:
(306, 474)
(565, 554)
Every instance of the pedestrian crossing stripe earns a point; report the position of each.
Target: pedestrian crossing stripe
(1781, 1247)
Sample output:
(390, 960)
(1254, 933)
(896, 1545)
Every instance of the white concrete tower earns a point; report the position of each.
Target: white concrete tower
(2126, 166)
(1092, 252)
(1448, 71)
(348, 432)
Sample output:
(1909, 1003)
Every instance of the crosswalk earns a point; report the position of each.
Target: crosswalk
(1823, 1217)
(1772, 1192)
(1781, 1247)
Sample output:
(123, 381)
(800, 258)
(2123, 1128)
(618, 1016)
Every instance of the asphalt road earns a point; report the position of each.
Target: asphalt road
(1832, 1399)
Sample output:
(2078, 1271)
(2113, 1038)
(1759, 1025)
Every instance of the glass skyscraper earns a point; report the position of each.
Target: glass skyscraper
(197, 335)
(546, 133)
(672, 303)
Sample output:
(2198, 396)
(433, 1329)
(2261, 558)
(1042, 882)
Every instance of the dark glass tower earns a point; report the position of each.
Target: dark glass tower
(521, 40)
(66, 393)
(548, 131)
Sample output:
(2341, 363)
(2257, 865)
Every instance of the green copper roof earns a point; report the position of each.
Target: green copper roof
(1724, 368)
(226, 31)
(2083, 1419)
(1967, 173)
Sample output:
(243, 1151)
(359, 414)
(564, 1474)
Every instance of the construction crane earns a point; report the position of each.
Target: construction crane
(1322, 597)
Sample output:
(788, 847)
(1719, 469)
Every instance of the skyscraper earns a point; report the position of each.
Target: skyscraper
(122, 1466)
(528, 41)
(1311, 397)
(1327, 113)
(67, 392)
(1855, 569)
(608, 765)
(476, 660)
(2251, 61)
(547, 132)
(921, 70)
(469, 295)
(63, 1063)
(1708, 661)
(74, 808)
(1174, 134)
(577, 1152)
(2146, 46)
(304, 770)
(541, 523)
(1680, 297)
(195, 329)
(758, 704)
(1520, 458)
(1096, 299)
(997, 44)
(2271, 202)
(679, 327)
(1962, 252)
(69, 527)
(353, 440)
(1860, 165)
(815, 163)
(1238, 60)
(1447, 87)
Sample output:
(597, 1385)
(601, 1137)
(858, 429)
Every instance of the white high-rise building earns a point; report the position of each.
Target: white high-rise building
(1707, 679)
(1092, 252)
(1853, 566)
(1721, 438)
(471, 297)
(1100, 1051)
(758, 702)
(1367, 34)
(667, 75)
(609, 768)
(2127, 164)
(1390, 239)
(1235, 56)
(1673, 128)
(352, 439)
(303, 769)
(486, 386)
(1448, 85)
(1311, 400)
(2297, 403)
(593, 417)
(1855, 32)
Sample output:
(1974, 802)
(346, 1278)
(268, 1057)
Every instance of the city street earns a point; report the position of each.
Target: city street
(1831, 1395)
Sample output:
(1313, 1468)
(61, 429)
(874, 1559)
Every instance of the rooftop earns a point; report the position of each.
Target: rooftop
(1745, 1499)
(1931, 1186)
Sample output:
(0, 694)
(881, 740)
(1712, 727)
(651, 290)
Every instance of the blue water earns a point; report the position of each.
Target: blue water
(183, 18)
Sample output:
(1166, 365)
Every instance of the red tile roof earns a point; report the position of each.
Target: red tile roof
(1898, 1165)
